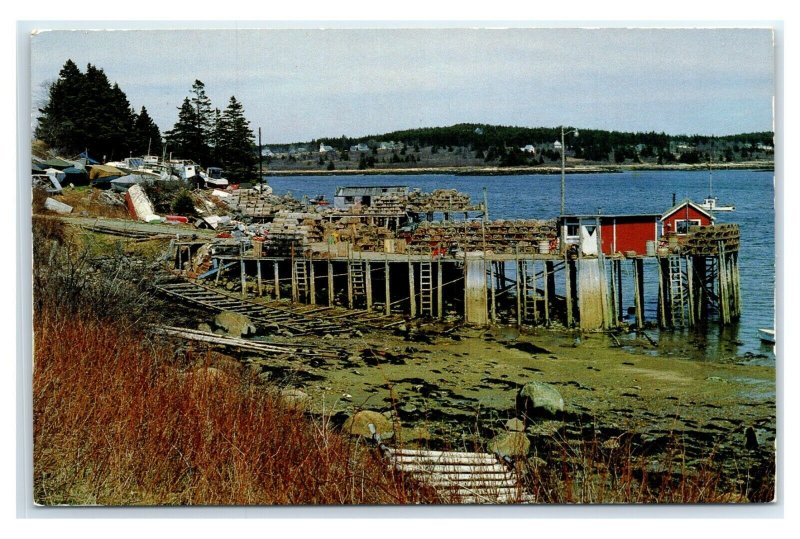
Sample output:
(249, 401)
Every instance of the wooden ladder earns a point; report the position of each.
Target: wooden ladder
(530, 295)
(357, 279)
(300, 281)
(426, 289)
(677, 292)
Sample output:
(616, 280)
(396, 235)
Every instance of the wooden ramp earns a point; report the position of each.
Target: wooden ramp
(298, 319)
(458, 477)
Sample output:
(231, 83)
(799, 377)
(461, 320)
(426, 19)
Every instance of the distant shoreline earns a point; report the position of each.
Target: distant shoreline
(517, 171)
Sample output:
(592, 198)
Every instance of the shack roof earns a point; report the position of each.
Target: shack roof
(683, 204)
(614, 216)
(370, 190)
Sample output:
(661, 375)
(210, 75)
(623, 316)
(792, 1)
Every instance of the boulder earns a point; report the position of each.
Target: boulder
(295, 398)
(538, 398)
(510, 444)
(204, 327)
(235, 324)
(515, 425)
(358, 424)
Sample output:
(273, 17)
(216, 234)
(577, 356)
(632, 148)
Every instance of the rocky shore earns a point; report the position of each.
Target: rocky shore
(472, 389)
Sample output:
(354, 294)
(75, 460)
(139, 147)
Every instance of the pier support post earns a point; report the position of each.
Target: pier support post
(349, 285)
(690, 289)
(258, 277)
(412, 300)
(475, 289)
(638, 291)
(330, 284)
(569, 270)
(549, 288)
(492, 291)
(277, 279)
(664, 292)
(242, 272)
(312, 283)
(620, 304)
(368, 284)
(439, 283)
(518, 292)
(387, 285)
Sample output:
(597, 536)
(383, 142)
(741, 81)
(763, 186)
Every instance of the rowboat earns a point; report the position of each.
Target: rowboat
(767, 335)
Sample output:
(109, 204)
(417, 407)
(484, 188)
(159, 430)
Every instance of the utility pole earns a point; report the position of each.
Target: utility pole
(260, 159)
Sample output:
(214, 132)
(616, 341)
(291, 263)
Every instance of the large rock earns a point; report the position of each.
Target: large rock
(235, 324)
(358, 424)
(538, 398)
(296, 399)
(510, 444)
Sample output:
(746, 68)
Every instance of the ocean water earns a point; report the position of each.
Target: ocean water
(539, 197)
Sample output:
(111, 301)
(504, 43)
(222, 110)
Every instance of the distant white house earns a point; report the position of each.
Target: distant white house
(557, 146)
(528, 148)
(325, 149)
(389, 146)
(266, 152)
(362, 147)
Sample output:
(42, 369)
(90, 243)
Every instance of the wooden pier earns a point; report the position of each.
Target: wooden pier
(696, 279)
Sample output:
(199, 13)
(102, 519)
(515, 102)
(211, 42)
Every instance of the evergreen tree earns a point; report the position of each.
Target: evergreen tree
(182, 138)
(58, 126)
(86, 112)
(235, 148)
(146, 135)
(191, 136)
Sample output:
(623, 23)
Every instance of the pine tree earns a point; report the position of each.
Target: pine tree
(235, 145)
(86, 112)
(57, 126)
(146, 135)
(181, 139)
(191, 135)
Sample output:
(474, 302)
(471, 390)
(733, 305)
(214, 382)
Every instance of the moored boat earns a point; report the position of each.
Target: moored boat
(767, 335)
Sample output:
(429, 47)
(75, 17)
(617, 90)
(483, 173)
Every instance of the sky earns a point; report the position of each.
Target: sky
(300, 84)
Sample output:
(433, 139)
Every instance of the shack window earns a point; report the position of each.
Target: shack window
(572, 230)
(682, 226)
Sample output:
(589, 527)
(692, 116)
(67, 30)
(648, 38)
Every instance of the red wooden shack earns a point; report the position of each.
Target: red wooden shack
(613, 233)
(679, 218)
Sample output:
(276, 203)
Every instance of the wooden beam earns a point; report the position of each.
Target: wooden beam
(493, 311)
(519, 293)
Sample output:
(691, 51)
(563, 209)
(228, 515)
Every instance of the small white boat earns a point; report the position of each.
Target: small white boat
(712, 204)
(213, 178)
(767, 335)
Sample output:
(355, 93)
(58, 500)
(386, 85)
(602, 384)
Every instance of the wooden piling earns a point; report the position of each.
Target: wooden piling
(277, 280)
(690, 288)
(349, 285)
(243, 274)
(330, 284)
(439, 287)
(568, 272)
(638, 291)
(519, 292)
(663, 294)
(412, 300)
(258, 277)
(549, 289)
(493, 307)
(387, 285)
(368, 284)
(312, 283)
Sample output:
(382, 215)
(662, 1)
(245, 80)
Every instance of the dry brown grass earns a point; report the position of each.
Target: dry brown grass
(117, 421)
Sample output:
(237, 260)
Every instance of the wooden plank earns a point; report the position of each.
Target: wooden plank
(412, 299)
(312, 283)
(368, 284)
